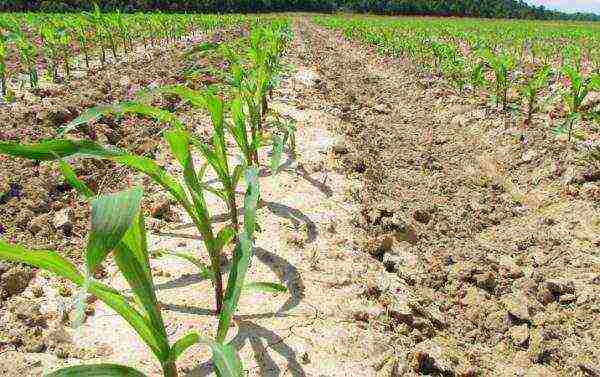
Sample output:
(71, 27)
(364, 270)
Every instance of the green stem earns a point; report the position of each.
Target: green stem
(169, 369)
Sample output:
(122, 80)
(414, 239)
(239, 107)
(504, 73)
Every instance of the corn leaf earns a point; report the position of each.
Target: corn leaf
(265, 287)
(118, 303)
(193, 97)
(59, 148)
(112, 216)
(159, 114)
(97, 370)
(224, 237)
(277, 153)
(88, 116)
(71, 178)
(44, 259)
(183, 344)
(143, 288)
(226, 360)
(158, 174)
(242, 255)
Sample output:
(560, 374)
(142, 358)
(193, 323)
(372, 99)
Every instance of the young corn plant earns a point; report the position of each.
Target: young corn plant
(3, 71)
(118, 229)
(502, 65)
(579, 86)
(531, 89)
(28, 54)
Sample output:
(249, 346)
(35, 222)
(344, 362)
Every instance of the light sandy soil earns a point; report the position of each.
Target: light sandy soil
(305, 243)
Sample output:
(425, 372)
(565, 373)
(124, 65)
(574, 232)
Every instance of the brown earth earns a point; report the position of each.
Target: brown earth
(489, 233)
(483, 236)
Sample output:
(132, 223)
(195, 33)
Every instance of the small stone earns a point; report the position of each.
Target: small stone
(400, 309)
(24, 218)
(567, 298)
(15, 280)
(429, 355)
(382, 108)
(339, 147)
(529, 156)
(517, 307)
(519, 335)
(485, 280)
(38, 224)
(511, 269)
(160, 207)
(63, 221)
(545, 295)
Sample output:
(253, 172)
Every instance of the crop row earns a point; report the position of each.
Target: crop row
(239, 114)
(522, 65)
(34, 44)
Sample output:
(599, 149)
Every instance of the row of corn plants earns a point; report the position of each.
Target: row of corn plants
(238, 112)
(521, 65)
(51, 45)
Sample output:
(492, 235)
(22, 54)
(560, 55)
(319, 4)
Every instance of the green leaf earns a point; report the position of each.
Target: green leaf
(204, 269)
(59, 148)
(51, 261)
(277, 153)
(140, 280)
(112, 216)
(159, 114)
(158, 174)
(224, 237)
(265, 287)
(140, 324)
(193, 97)
(242, 255)
(226, 360)
(44, 259)
(183, 344)
(71, 178)
(88, 116)
(97, 370)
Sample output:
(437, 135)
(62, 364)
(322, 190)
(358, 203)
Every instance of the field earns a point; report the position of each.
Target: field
(298, 195)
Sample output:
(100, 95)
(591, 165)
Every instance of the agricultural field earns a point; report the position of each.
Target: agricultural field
(298, 195)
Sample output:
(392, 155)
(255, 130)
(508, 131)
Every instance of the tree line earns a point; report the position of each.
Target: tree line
(457, 8)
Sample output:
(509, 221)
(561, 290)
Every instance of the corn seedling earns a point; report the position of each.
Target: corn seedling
(532, 88)
(118, 229)
(578, 89)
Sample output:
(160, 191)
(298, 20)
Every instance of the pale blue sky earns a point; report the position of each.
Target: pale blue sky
(570, 5)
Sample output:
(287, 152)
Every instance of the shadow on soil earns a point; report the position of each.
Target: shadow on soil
(294, 215)
(262, 340)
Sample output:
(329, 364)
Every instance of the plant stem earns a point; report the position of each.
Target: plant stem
(169, 369)
(2, 85)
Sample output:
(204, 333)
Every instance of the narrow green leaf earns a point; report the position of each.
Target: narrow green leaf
(159, 114)
(265, 287)
(226, 360)
(276, 153)
(242, 255)
(183, 344)
(138, 277)
(112, 216)
(71, 178)
(97, 370)
(55, 149)
(44, 259)
(195, 98)
(224, 237)
(158, 174)
(118, 303)
(88, 116)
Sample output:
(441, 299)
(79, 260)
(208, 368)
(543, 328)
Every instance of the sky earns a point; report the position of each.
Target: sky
(570, 5)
